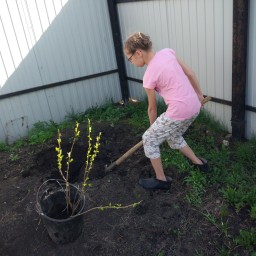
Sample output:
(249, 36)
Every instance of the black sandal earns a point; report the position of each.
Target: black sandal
(153, 183)
(203, 167)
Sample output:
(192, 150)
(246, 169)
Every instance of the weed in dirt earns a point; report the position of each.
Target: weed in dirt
(247, 238)
(222, 225)
(197, 181)
(14, 157)
(253, 212)
(199, 253)
(3, 147)
(41, 132)
(106, 113)
(160, 254)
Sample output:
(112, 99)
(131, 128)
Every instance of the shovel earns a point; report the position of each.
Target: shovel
(137, 146)
(124, 156)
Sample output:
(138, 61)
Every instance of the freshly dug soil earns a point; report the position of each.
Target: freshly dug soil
(163, 224)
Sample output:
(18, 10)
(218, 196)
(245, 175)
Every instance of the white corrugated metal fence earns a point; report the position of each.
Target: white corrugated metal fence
(49, 42)
(45, 42)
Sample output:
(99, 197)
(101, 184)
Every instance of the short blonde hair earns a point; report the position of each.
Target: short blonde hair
(136, 41)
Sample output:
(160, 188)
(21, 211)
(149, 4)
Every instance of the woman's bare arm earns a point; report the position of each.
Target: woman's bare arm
(152, 105)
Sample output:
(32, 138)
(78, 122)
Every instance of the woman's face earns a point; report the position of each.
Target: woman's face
(135, 58)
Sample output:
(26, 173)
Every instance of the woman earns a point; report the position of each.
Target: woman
(177, 84)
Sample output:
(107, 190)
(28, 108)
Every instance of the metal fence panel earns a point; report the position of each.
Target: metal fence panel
(20, 113)
(45, 42)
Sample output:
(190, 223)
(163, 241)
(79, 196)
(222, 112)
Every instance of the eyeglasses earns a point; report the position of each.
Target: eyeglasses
(130, 58)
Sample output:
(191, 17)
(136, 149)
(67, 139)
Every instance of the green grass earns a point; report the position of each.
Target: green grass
(3, 147)
(232, 168)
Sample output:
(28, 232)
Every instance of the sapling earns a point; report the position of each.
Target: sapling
(69, 159)
(92, 152)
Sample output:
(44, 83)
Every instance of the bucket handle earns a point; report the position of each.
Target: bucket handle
(38, 208)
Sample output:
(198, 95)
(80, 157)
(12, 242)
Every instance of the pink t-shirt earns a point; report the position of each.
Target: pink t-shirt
(165, 75)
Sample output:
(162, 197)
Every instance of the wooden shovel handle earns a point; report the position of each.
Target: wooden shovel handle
(124, 156)
(129, 153)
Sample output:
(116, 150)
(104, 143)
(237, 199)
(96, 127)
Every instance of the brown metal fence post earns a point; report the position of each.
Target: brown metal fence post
(116, 33)
(240, 21)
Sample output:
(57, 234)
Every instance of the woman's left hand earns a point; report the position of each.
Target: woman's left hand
(201, 98)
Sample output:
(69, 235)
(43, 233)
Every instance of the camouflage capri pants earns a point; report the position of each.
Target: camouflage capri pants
(165, 129)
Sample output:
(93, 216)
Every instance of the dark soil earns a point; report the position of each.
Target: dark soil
(163, 224)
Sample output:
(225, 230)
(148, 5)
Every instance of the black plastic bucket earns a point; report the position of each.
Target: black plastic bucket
(51, 205)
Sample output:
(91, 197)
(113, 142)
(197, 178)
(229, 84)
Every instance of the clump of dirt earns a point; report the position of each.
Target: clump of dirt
(163, 224)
